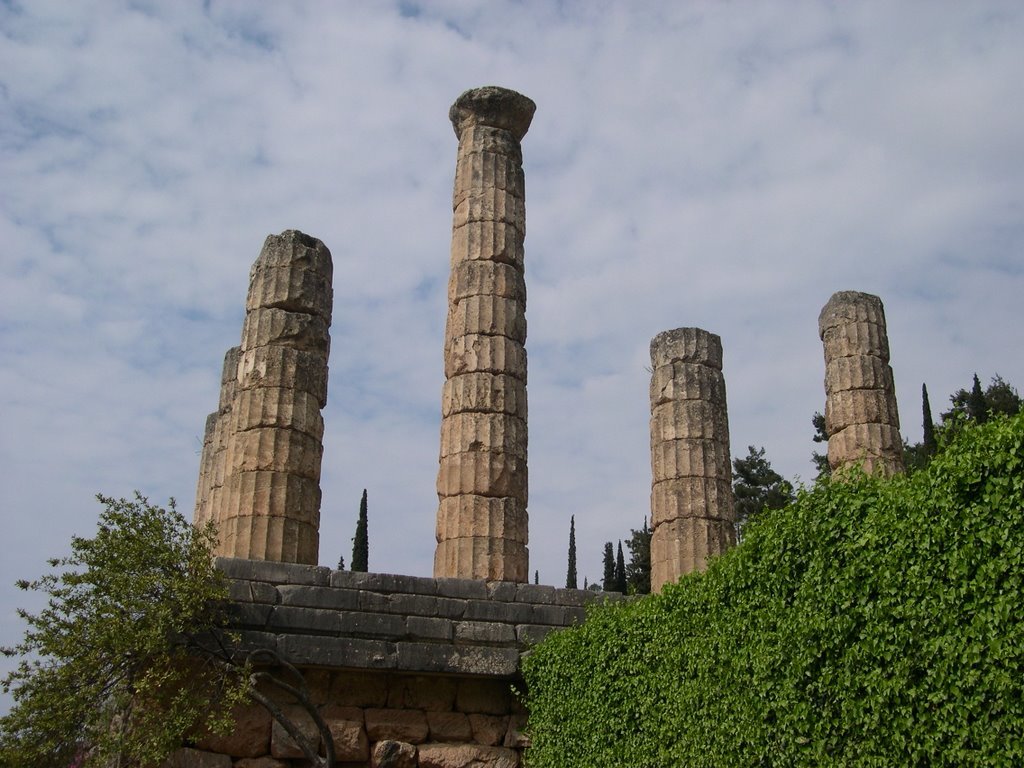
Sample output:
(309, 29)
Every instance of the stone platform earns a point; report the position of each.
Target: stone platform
(405, 671)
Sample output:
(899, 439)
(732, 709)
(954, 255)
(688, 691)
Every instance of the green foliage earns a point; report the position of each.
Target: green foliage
(929, 444)
(872, 622)
(570, 575)
(621, 585)
(608, 580)
(107, 670)
(638, 569)
(820, 460)
(361, 541)
(976, 404)
(757, 487)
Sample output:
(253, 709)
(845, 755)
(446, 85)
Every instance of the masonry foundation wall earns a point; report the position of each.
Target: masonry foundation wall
(407, 671)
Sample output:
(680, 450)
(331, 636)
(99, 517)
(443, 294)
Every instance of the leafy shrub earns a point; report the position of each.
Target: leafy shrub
(109, 673)
(871, 622)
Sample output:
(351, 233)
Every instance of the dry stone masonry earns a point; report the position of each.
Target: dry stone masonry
(264, 484)
(691, 492)
(405, 670)
(482, 477)
(861, 416)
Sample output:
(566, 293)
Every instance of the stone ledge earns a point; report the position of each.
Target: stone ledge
(317, 617)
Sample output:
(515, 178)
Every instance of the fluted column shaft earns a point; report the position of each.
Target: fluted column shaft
(267, 506)
(861, 416)
(482, 477)
(211, 464)
(692, 512)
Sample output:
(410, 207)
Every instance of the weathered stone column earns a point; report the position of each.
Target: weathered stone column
(268, 504)
(691, 491)
(861, 416)
(211, 464)
(482, 479)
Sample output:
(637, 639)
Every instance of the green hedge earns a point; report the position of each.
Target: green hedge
(871, 622)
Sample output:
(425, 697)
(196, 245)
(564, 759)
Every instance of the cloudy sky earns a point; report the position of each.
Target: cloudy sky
(721, 165)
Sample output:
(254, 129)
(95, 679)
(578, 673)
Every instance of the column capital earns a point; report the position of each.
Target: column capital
(495, 107)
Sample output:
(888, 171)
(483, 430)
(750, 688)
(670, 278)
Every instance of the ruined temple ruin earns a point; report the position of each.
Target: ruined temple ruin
(861, 417)
(412, 672)
(691, 489)
(260, 476)
(482, 477)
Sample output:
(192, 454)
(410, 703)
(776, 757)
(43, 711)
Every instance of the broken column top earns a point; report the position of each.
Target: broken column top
(850, 307)
(294, 272)
(687, 345)
(495, 107)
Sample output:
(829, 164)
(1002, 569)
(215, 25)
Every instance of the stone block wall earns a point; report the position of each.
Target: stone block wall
(406, 671)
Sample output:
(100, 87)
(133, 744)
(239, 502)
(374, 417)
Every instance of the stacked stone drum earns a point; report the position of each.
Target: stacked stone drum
(482, 478)
(861, 417)
(267, 507)
(691, 492)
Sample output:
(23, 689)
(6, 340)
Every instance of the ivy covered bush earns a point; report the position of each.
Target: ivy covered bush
(872, 622)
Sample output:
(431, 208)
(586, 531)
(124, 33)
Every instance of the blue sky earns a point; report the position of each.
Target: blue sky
(723, 165)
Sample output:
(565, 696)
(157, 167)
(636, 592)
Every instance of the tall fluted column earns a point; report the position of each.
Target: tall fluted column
(861, 416)
(268, 505)
(482, 478)
(691, 492)
(211, 464)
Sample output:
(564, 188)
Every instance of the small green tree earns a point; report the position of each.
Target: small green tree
(929, 443)
(109, 670)
(978, 405)
(570, 576)
(1001, 397)
(361, 541)
(130, 656)
(917, 456)
(757, 487)
(820, 460)
(620, 571)
(638, 569)
(608, 582)
(341, 563)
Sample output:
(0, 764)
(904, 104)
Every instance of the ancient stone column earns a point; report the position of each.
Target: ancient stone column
(268, 505)
(482, 478)
(691, 491)
(861, 417)
(211, 464)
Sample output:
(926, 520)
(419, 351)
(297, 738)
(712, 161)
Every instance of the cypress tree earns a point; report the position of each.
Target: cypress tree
(570, 576)
(341, 562)
(536, 577)
(928, 441)
(608, 583)
(977, 406)
(638, 570)
(620, 571)
(361, 541)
